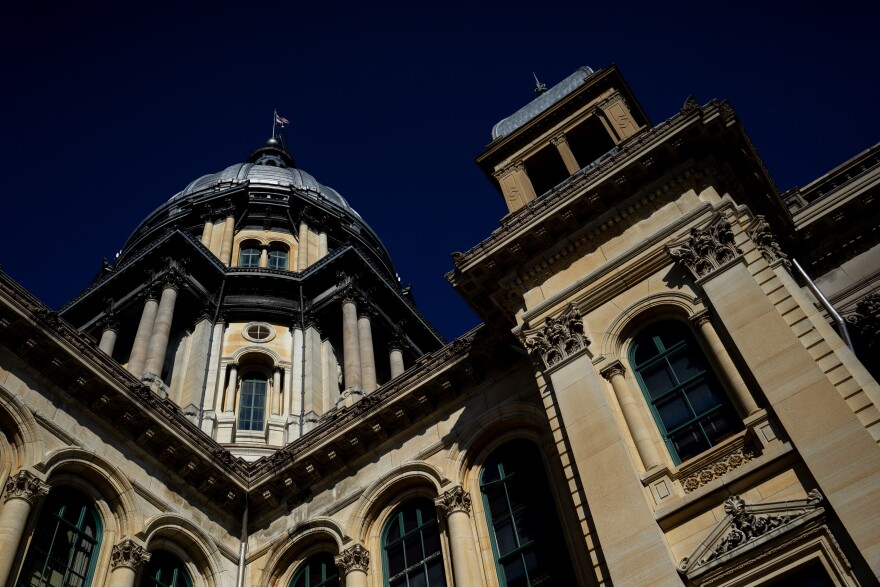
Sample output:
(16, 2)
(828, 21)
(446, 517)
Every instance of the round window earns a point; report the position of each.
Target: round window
(259, 332)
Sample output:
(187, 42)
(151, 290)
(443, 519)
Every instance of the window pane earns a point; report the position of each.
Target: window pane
(277, 259)
(689, 442)
(410, 522)
(431, 540)
(657, 379)
(673, 411)
(702, 397)
(717, 426)
(417, 578)
(395, 559)
(514, 572)
(413, 549)
(686, 365)
(436, 576)
(505, 536)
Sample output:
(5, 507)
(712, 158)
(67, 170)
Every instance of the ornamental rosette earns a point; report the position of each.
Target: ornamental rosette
(128, 554)
(24, 485)
(355, 558)
(454, 500)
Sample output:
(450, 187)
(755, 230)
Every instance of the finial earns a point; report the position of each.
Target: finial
(539, 87)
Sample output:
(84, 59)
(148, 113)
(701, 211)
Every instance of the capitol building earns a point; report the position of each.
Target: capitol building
(673, 382)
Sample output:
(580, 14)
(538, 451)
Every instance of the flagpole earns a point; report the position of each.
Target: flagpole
(274, 118)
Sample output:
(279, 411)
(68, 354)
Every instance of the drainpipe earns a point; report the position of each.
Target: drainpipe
(841, 323)
(243, 550)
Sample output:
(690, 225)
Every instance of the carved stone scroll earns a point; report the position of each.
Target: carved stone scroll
(706, 249)
(559, 338)
(715, 470)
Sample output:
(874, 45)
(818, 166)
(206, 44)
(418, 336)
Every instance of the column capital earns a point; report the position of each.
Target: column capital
(24, 485)
(701, 317)
(615, 368)
(706, 249)
(560, 138)
(355, 558)
(110, 321)
(559, 338)
(454, 500)
(128, 554)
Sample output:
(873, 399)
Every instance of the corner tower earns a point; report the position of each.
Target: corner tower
(259, 301)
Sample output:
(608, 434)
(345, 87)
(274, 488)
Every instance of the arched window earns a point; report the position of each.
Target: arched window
(278, 259)
(319, 571)
(252, 402)
(527, 539)
(411, 554)
(249, 257)
(65, 547)
(165, 570)
(688, 404)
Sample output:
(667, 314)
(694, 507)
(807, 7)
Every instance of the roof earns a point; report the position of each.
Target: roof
(507, 125)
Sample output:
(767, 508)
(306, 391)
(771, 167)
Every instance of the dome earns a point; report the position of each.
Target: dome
(270, 166)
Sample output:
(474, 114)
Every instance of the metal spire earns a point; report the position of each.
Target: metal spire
(539, 87)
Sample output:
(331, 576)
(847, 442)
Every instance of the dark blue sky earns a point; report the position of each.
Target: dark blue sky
(109, 111)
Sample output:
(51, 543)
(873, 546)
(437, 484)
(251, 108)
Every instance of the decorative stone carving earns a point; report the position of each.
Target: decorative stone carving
(759, 231)
(690, 105)
(454, 500)
(715, 470)
(559, 338)
(706, 249)
(24, 485)
(128, 554)
(745, 525)
(866, 322)
(356, 558)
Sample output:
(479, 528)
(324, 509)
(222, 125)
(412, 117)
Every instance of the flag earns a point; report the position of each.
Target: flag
(280, 120)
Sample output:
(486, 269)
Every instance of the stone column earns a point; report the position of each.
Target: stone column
(226, 245)
(351, 353)
(368, 358)
(276, 390)
(126, 559)
(207, 231)
(21, 492)
(264, 257)
(229, 399)
(322, 244)
(560, 141)
(456, 504)
(633, 415)
(302, 252)
(138, 355)
(162, 329)
(395, 358)
(745, 401)
(353, 564)
(108, 336)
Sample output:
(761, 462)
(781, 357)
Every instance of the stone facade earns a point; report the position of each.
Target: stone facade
(656, 397)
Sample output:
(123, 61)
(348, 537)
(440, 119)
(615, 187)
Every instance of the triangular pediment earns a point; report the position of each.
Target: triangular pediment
(748, 527)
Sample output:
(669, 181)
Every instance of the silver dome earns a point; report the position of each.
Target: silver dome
(265, 175)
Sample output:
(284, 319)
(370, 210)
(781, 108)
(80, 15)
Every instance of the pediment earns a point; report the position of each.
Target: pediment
(747, 528)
